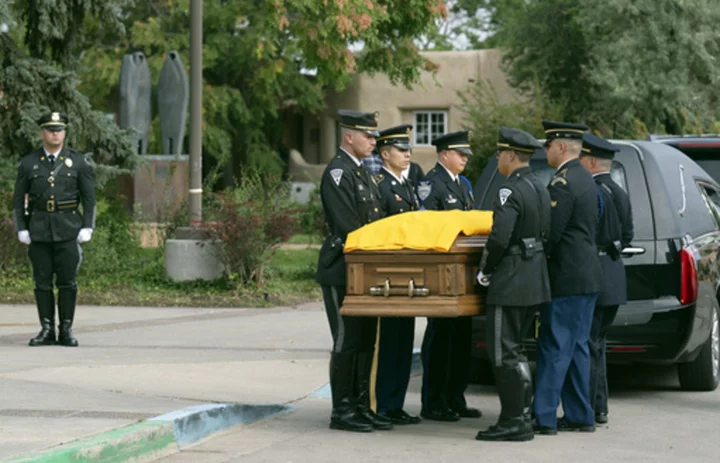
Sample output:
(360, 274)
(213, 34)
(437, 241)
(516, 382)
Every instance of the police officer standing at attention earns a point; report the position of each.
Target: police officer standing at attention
(615, 231)
(515, 269)
(57, 180)
(350, 199)
(397, 194)
(447, 343)
(563, 359)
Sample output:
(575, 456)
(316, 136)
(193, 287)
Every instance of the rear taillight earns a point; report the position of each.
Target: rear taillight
(688, 277)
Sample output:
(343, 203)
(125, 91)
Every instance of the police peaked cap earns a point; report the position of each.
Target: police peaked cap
(458, 141)
(356, 120)
(53, 121)
(564, 130)
(396, 136)
(517, 140)
(598, 147)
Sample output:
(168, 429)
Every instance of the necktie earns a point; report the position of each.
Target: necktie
(51, 159)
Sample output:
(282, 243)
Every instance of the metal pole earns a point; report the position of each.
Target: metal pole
(196, 39)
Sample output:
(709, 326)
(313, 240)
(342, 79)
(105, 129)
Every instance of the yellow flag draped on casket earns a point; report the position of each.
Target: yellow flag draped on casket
(420, 230)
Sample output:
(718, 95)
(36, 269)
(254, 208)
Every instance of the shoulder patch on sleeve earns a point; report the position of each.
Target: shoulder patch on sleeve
(336, 175)
(557, 180)
(504, 194)
(424, 189)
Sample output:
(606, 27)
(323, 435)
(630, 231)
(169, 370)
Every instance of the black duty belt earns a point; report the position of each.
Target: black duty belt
(516, 250)
(56, 206)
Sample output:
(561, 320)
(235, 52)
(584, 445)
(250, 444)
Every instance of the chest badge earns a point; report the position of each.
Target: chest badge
(451, 199)
(35, 167)
(397, 197)
(68, 162)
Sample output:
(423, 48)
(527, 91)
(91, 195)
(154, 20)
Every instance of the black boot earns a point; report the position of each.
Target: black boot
(344, 413)
(363, 370)
(66, 310)
(512, 425)
(45, 301)
(526, 378)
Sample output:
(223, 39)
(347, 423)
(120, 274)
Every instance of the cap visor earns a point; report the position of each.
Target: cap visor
(54, 128)
(403, 146)
(374, 133)
(467, 151)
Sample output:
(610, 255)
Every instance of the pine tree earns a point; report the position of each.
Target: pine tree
(41, 43)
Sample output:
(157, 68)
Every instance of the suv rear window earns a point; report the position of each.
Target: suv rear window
(708, 157)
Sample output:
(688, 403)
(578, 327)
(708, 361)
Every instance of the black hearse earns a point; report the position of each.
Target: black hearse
(672, 266)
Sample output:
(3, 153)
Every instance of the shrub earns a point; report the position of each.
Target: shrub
(13, 254)
(251, 221)
(312, 219)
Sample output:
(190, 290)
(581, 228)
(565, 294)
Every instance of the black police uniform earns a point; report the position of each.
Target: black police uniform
(350, 199)
(397, 334)
(615, 231)
(447, 344)
(563, 360)
(515, 262)
(55, 190)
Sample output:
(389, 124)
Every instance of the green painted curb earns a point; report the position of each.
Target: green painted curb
(138, 442)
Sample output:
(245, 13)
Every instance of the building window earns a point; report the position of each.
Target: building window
(429, 125)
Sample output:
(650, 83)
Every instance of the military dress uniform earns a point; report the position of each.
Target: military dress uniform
(55, 188)
(515, 263)
(350, 199)
(615, 232)
(397, 334)
(447, 343)
(563, 359)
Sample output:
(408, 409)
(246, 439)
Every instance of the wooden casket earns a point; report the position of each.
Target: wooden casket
(411, 283)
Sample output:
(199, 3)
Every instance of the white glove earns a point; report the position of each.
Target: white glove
(24, 237)
(84, 235)
(483, 279)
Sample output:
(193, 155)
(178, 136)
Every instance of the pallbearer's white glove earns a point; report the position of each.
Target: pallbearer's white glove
(24, 237)
(483, 279)
(84, 235)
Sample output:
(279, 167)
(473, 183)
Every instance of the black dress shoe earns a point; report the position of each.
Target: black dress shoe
(565, 425)
(544, 430)
(468, 412)
(512, 430)
(601, 418)
(350, 422)
(400, 416)
(378, 422)
(440, 415)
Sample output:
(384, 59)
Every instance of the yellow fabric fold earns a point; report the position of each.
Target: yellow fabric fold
(420, 230)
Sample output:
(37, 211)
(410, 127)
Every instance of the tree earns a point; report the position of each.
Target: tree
(264, 59)
(39, 49)
(466, 26)
(626, 68)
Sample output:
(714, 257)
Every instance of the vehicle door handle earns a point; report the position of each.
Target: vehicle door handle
(631, 251)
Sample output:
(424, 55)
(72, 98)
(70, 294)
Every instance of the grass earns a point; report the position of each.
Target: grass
(303, 239)
(290, 280)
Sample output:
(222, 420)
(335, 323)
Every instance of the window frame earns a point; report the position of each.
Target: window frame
(429, 113)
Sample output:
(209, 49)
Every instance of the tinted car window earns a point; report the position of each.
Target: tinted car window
(707, 156)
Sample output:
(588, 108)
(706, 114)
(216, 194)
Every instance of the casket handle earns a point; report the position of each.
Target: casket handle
(387, 291)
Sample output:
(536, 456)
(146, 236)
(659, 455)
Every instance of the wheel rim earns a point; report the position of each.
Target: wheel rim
(715, 335)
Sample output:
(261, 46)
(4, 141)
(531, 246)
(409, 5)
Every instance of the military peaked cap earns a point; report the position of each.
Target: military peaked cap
(356, 120)
(458, 141)
(396, 136)
(564, 130)
(516, 140)
(54, 121)
(598, 147)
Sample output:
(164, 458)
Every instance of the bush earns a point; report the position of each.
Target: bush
(312, 219)
(251, 221)
(485, 115)
(13, 254)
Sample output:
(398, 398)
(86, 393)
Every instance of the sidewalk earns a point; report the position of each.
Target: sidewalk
(134, 364)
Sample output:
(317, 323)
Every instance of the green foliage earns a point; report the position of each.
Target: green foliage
(464, 26)
(312, 219)
(622, 67)
(13, 254)
(263, 58)
(484, 115)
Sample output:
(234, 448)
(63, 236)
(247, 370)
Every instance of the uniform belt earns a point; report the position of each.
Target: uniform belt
(516, 250)
(56, 206)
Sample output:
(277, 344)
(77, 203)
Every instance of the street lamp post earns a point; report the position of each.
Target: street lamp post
(196, 39)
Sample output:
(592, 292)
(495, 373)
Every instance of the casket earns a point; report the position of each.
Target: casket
(415, 283)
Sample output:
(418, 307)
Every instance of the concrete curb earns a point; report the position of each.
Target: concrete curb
(156, 437)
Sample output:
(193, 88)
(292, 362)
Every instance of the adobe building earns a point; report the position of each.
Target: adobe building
(432, 107)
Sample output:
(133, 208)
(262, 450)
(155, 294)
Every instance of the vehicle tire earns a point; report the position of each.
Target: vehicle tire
(481, 372)
(703, 374)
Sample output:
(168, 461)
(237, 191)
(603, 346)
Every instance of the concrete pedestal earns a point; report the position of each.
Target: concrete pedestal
(190, 255)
